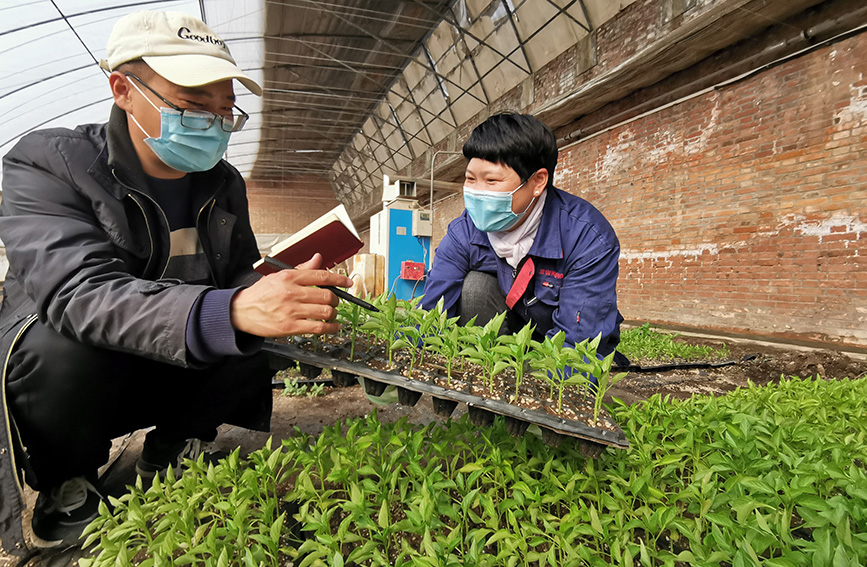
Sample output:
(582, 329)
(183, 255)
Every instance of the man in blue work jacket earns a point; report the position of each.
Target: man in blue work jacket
(524, 246)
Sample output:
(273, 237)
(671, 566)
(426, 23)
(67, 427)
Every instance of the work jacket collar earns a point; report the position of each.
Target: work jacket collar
(122, 157)
(547, 243)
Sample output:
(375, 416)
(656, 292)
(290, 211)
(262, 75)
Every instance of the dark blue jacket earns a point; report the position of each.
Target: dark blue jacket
(574, 287)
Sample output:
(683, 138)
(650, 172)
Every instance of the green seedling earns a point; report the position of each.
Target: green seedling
(409, 334)
(386, 323)
(292, 388)
(481, 342)
(644, 342)
(352, 316)
(430, 325)
(447, 341)
(762, 476)
(604, 381)
(550, 366)
(517, 351)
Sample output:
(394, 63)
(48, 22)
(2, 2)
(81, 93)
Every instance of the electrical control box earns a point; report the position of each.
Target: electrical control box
(411, 270)
(421, 223)
(401, 233)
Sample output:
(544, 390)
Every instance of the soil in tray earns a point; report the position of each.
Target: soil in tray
(757, 363)
(533, 394)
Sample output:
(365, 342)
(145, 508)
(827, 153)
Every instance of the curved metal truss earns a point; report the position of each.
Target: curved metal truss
(354, 89)
(358, 89)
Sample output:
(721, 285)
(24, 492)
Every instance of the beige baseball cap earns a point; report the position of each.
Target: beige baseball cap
(177, 46)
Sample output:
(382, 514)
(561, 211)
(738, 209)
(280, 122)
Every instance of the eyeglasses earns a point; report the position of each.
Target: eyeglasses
(201, 119)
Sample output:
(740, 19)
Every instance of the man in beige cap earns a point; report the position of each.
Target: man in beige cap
(130, 300)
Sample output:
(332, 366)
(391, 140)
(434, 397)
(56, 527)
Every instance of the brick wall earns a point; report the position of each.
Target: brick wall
(744, 209)
(739, 210)
(283, 207)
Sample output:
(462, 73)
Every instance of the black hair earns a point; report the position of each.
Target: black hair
(137, 67)
(519, 141)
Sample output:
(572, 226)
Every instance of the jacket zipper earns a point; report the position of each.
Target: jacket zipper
(29, 321)
(150, 234)
(165, 218)
(147, 223)
(208, 204)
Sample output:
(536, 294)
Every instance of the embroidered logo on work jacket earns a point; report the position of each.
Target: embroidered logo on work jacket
(551, 273)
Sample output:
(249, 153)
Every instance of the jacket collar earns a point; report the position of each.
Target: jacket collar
(122, 158)
(547, 243)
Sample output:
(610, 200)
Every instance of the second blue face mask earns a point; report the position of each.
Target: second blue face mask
(491, 211)
(182, 148)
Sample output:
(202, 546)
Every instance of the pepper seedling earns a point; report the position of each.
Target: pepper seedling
(409, 334)
(353, 316)
(386, 323)
(517, 351)
(447, 342)
(482, 341)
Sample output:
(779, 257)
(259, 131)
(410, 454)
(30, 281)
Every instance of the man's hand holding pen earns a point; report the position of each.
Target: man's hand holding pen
(289, 302)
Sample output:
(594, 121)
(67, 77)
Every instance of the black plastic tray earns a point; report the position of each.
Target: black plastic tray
(559, 425)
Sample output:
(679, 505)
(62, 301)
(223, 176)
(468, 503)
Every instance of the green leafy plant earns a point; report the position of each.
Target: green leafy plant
(386, 323)
(763, 476)
(408, 333)
(645, 342)
(447, 341)
(604, 381)
(481, 342)
(552, 362)
(351, 316)
(517, 351)
(430, 324)
(292, 388)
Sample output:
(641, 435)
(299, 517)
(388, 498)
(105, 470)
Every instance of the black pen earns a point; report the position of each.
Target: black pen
(335, 290)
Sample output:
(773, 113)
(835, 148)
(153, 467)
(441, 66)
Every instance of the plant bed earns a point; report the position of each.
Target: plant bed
(748, 479)
(607, 432)
(550, 379)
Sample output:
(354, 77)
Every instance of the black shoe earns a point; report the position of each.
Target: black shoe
(156, 457)
(62, 513)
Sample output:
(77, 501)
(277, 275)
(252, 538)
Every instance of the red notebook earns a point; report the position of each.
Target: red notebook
(332, 235)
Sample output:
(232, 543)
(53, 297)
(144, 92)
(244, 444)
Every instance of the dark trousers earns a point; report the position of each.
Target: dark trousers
(482, 298)
(69, 400)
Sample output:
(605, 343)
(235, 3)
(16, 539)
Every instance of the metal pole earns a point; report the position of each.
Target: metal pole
(432, 160)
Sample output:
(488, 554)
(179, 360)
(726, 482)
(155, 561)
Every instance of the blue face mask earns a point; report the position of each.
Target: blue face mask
(491, 211)
(182, 148)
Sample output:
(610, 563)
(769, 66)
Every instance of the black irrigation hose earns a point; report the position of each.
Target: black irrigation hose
(681, 365)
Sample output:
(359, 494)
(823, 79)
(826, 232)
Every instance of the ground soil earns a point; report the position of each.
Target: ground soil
(765, 364)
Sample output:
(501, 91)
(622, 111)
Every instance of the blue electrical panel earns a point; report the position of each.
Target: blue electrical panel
(404, 247)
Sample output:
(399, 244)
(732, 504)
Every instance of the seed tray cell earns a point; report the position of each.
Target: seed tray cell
(518, 418)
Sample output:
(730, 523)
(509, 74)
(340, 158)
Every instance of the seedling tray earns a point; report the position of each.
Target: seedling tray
(517, 418)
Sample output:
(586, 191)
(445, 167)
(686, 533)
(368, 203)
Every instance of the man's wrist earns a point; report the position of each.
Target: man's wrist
(210, 334)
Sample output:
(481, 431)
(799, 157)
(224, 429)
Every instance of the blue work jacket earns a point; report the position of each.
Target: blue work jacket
(574, 286)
